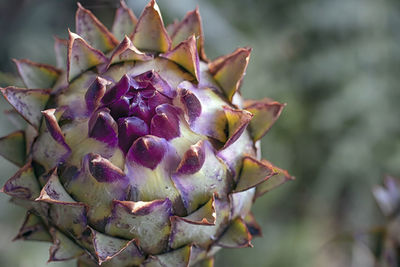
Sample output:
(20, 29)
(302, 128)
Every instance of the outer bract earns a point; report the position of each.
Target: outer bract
(140, 151)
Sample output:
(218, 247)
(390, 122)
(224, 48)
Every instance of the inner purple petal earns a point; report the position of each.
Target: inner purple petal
(141, 105)
(103, 170)
(192, 104)
(147, 151)
(158, 99)
(166, 122)
(130, 129)
(120, 108)
(141, 110)
(154, 79)
(103, 127)
(118, 90)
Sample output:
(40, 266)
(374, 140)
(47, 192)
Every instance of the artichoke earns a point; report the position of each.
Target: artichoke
(141, 151)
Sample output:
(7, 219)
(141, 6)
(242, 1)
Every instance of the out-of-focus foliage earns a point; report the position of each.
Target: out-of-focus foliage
(336, 64)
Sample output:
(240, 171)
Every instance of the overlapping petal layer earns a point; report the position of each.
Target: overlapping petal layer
(136, 153)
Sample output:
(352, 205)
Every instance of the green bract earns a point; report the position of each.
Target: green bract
(141, 151)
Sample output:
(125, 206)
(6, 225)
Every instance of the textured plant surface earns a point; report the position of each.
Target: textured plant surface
(141, 151)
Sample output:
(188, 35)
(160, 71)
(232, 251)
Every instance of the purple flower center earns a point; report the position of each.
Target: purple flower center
(141, 105)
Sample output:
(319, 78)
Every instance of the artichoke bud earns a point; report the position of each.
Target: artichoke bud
(138, 149)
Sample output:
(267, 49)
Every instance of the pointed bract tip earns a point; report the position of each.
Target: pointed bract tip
(186, 55)
(37, 75)
(81, 56)
(229, 70)
(150, 33)
(93, 31)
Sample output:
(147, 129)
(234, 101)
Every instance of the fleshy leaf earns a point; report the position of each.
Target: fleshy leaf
(144, 221)
(205, 215)
(126, 51)
(28, 102)
(65, 212)
(205, 263)
(281, 177)
(129, 256)
(150, 33)
(212, 119)
(103, 127)
(15, 119)
(229, 70)
(236, 236)
(12, 147)
(49, 148)
(233, 154)
(46, 150)
(237, 122)
(154, 79)
(30, 135)
(95, 93)
(177, 258)
(197, 188)
(185, 54)
(105, 183)
(252, 225)
(265, 113)
(87, 261)
(81, 56)
(23, 184)
(241, 202)
(117, 91)
(130, 129)
(82, 144)
(165, 123)
(148, 151)
(63, 248)
(197, 254)
(93, 31)
(103, 170)
(253, 173)
(74, 96)
(184, 231)
(34, 229)
(41, 209)
(191, 104)
(124, 21)
(36, 75)
(190, 25)
(192, 160)
(61, 51)
(150, 162)
(53, 127)
(107, 247)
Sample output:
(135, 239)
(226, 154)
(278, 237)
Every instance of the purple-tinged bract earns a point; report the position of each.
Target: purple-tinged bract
(140, 151)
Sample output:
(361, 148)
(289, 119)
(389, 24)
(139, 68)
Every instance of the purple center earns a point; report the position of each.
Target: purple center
(140, 105)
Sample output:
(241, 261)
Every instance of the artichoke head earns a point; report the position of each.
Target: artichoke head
(141, 151)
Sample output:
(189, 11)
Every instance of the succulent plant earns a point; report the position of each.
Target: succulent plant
(141, 151)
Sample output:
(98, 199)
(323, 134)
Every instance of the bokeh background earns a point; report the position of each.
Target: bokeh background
(337, 65)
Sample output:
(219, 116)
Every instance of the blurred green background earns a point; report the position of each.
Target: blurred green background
(337, 65)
